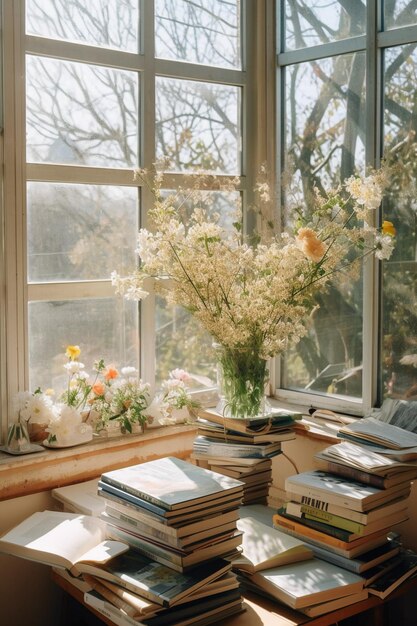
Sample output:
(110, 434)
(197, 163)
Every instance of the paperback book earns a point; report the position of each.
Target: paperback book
(337, 490)
(153, 481)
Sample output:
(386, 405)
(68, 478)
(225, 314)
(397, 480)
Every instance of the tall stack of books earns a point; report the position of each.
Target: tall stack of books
(347, 509)
(243, 448)
(183, 520)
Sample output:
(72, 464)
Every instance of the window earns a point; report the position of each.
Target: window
(347, 98)
(92, 91)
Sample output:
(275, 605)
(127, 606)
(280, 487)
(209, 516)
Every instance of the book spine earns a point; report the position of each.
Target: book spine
(323, 505)
(107, 609)
(136, 493)
(310, 512)
(283, 522)
(153, 552)
(317, 494)
(140, 527)
(326, 529)
(108, 491)
(356, 474)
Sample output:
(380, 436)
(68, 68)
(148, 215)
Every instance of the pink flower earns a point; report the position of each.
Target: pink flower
(180, 374)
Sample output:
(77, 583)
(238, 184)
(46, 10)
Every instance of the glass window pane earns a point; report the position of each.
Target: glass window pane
(227, 205)
(198, 125)
(198, 31)
(181, 342)
(399, 13)
(398, 373)
(103, 328)
(105, 23)
(313, 23)
(325, 129)
(80, 232)
(81, 114)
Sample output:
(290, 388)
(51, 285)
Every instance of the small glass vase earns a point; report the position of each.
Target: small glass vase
(18, 439)
(241, 378)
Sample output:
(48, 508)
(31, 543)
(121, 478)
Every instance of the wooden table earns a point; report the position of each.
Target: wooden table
(262, 612)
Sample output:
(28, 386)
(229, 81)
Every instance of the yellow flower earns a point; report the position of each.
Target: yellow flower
(388, 228)
(72, 352)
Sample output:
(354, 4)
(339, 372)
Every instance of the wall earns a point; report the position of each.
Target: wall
(28, 596)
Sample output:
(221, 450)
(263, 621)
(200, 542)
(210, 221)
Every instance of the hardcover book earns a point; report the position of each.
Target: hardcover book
(261, 424)
(337, 490)
(307, 583)
(63, 540)
(309, 513)
(373, 515)
(171, 483)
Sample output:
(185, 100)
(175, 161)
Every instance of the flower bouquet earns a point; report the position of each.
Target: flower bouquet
(175, 403)
(119, 398)
(254, 295)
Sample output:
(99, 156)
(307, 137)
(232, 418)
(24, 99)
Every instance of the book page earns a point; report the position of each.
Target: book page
(393, 435)
(54, 537)
(263, 545)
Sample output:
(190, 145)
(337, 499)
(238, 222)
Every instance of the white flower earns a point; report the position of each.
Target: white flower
(129, 371)
(384, 246)
(39, 408)
(73, 367)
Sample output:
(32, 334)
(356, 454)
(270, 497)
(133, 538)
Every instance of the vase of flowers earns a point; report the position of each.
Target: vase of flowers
(67, 426)
(118, 400)
(254, 295)
(174, 403)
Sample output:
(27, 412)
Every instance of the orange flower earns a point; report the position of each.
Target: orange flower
(388, 228)
(72, 352)
(110, 373)
(310, 244)
(98, 388)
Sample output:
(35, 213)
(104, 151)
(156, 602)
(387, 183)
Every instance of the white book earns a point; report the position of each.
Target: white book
(339, 490)
(264, 547)
(363, 458)
(381, 433)
(80, 498)
(300, 585)
(60, 539)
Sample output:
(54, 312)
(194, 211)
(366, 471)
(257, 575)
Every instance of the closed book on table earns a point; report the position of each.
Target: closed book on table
(171, 483)
(362, 563)
(300, 585)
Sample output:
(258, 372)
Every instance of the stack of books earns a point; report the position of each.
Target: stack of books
(348, 508)
(243, 448)
(283, 568)
(182, 520)
(119, 582)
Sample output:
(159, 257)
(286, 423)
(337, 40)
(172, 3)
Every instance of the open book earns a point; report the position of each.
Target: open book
(60, 539)
(264, 547)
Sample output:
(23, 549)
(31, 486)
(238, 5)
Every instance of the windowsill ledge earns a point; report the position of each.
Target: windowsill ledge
(28, 474)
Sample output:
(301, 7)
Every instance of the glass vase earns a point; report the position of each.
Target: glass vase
(241, 378)
(18, 439)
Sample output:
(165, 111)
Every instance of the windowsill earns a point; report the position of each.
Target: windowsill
(42, 471)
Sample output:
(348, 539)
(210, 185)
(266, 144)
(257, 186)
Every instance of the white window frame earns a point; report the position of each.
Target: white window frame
(258, 147)
(372, 43)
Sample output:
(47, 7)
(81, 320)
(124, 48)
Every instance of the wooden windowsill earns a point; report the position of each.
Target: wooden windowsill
(41, 471)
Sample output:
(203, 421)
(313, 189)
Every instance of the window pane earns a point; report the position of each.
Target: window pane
(105, 23)
(103, 328)
(399, 13)
(325, 144)
(313, 23)
(80, 232)
(181, 342)
(198, 31)
(227, 205)
(398, 373)
(81, 114)
(198, 125)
